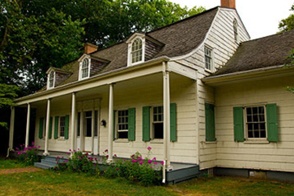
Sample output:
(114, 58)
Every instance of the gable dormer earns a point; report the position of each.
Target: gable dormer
(55, 76)
(50, 78)
(84, 67)
(136, 49)
(142, 48)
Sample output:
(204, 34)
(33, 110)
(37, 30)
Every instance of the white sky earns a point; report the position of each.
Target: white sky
(260, 17)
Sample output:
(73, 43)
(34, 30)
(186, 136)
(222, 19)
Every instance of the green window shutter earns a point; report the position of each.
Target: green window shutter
(132, 124)
(146, 124)
(66, 127)
(114, 125)
(173, 122)
(41, 125)
(238, 124)
(56, 127)
(272, 122)
(50, 128)
(209, 122)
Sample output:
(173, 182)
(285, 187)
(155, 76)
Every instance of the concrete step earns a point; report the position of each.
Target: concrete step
(49, 162)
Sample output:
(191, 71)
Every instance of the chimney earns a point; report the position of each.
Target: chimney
(228, 4)
(89, 48)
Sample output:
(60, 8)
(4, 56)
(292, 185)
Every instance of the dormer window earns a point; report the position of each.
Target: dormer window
(137, 51)
(84, 68)
(51, 80)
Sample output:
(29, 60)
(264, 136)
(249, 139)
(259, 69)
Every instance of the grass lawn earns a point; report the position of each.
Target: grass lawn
(9, 163)
(47, 182)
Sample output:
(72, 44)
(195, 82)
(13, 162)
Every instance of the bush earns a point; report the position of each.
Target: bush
(145, 171)
(27, 155)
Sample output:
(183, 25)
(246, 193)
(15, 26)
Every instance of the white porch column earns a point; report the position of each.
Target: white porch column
(28, 125)
(110, 124)
(92, 130)
(47, 128)
(11, 130)
(73, 119)
(166, 114)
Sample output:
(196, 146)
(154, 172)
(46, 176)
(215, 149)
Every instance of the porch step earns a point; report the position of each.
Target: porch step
(49, 162)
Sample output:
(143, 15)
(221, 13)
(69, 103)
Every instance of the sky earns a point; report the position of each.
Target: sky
(260, 17)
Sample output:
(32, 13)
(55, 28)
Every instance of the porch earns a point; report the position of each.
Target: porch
(179, 172)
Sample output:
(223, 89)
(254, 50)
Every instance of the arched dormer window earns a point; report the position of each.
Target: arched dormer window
(51, 80)
(236, 33)
(84, 71)
(136, 49)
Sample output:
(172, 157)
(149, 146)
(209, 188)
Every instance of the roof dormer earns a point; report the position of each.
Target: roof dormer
(56, 76)
(136, 49)
(51, 79)
(84, 67)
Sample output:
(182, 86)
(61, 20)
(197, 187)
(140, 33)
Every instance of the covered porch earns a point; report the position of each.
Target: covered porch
(86, 117)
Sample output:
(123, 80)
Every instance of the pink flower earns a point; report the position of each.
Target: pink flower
(134, 160)
(69, 150)
(154, 159)
(149, 161)
(162, 162)
(141, 162)
(114, 155)
(106, 150)
(149, 148)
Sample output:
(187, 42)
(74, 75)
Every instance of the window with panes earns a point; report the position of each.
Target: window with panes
(122, 124)
(157, 122)
(208, 58)
(137, 50)
(255, 122)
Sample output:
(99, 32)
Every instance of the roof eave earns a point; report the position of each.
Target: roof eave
(94, 78)
(274, 71)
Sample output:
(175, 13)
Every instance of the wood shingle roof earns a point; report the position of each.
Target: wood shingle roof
(265, 52)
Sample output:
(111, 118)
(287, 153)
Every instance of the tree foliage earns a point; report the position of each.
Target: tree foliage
(7, 94)
(37, 34)
(287, 24)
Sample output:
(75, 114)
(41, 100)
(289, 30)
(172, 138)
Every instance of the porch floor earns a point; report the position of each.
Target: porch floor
(179, 172)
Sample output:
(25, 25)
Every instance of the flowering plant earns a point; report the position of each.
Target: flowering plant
(27, 155)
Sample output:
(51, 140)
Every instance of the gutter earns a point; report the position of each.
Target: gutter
(101, 76)
(268, 72)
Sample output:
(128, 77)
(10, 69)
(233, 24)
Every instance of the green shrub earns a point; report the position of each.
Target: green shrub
(27, 155)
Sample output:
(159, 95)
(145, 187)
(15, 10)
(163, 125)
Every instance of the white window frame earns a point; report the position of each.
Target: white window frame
(61, 127)
(122, 120)
(236, 32)
(258, 122)
(51, 79)
(81, 68)
(157, 121)
(208, 55)
(131, 52)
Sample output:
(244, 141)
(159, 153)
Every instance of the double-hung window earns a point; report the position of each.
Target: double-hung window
(137, 50)
(208, 58)
(256, 123)
(157, 123)
(61, 127)
(125, 124)
(122, 124)
(84, 69)
(153, 123)
(51, 80)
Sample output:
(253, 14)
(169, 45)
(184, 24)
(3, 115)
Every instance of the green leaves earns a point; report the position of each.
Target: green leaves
(287, 24)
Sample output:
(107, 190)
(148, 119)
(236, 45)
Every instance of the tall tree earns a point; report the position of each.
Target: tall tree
(37, 34)
(287, 24)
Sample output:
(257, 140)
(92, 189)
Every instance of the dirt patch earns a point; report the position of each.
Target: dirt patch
(19, 170)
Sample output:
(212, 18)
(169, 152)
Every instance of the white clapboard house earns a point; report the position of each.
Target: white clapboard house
(199, 92)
